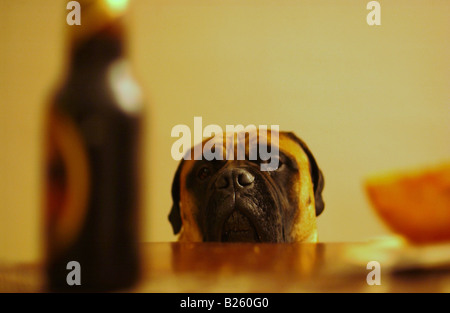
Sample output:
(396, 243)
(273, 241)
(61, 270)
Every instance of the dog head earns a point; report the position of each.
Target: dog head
(233, 199)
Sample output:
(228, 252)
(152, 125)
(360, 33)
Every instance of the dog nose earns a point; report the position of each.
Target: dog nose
(238, 177)
(245, 178)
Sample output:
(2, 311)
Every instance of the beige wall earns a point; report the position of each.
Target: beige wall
(365, 99)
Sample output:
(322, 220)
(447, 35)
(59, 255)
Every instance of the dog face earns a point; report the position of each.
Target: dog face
(234, 201)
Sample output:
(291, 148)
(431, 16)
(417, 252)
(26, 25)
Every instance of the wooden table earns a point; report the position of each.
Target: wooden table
(323, 267)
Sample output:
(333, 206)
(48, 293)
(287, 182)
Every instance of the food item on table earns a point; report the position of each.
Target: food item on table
(415, 204)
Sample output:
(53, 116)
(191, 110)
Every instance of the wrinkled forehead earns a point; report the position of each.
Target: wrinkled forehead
(231, 141)
(248, 139)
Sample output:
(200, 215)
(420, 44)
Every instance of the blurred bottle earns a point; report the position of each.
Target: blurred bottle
(92, 159)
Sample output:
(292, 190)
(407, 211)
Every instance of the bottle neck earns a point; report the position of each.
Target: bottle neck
(97, 52)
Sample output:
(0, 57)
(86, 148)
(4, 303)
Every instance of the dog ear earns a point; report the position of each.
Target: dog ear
(316, 174)
(175, 214)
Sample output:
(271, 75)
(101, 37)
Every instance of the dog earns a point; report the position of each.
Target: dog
(233, 200)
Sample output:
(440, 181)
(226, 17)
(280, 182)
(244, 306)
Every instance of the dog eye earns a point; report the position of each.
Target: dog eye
(204, 172)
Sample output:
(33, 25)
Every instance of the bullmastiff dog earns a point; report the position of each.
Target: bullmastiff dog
(231, 199)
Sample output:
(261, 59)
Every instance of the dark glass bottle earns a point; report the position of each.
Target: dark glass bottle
(92, 161)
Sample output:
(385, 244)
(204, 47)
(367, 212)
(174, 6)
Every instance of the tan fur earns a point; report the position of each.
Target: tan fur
(305, 229)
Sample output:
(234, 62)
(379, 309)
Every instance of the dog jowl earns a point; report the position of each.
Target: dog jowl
(241, 195)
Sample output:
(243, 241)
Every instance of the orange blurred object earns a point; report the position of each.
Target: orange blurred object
(415, 204)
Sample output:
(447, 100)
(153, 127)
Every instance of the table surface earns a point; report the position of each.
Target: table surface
(297, 267)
